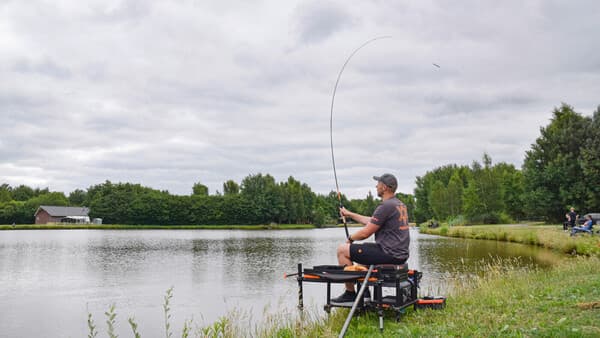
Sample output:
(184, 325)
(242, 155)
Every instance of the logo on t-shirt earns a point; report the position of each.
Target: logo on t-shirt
(403, 218)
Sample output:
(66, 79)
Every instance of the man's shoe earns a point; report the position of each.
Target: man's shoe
(347, 296)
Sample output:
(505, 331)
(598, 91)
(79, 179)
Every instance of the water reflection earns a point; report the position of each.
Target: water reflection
(446, 260)
(54, 278)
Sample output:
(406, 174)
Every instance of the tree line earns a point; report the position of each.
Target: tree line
(258, 199)
(562, 169)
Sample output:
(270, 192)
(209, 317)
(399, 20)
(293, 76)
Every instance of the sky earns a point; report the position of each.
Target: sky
(170, 93)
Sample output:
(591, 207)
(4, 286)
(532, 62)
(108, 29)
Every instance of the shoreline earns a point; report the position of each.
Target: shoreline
(547, 236)
(156, 227)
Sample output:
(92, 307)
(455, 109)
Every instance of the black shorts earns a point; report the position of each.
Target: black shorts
(371, 253)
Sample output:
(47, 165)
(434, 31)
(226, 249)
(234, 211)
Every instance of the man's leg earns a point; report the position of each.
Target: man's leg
(343, 255)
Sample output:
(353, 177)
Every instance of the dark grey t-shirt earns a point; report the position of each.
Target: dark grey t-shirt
(393, 234)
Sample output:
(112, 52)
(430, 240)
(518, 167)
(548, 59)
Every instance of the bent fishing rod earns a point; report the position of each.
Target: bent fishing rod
(337, 186)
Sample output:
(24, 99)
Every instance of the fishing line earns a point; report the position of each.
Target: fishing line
(337, 186)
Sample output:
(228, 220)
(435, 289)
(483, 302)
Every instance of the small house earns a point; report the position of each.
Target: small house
(55, 214)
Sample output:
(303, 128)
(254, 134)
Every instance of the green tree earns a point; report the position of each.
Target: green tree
(438, 199)
(16, 212)
(200, 189)
(511, 182)
(370, 204)
(77, 197)
(325, 209)
(122, 203)
(329, 205)
(39, 191)
(5, 193)
(454, 194)
(552, 171)
(179, 208)
(298, 201)
(482, 200)
(51, 198)
(230, 187)
(423, 210)
(266, 197)
(22, 193)
(590, 163)
(424, 187)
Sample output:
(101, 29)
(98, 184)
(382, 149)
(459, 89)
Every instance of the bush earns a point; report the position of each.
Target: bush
(504, 218)
(488, 218)
(459, 220)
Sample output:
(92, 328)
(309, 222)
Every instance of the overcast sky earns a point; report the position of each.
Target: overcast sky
(170, 93)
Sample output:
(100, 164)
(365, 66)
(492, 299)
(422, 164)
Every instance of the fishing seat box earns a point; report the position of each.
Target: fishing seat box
(392, 276)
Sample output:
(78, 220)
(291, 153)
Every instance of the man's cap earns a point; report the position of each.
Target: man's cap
(387, 179)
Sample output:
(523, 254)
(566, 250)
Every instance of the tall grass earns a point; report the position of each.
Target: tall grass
(134, 327)
(91, 327)
(110, 321)
(167, 310)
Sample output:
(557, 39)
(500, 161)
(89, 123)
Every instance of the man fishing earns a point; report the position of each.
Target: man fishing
(389, 223)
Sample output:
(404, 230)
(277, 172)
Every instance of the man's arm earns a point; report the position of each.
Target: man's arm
(357, 217)
(364, 232)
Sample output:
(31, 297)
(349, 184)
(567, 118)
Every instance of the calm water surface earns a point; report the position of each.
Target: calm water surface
(51, 280)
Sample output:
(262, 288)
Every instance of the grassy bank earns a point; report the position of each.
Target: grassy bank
(547, 236)
(153, 227)
(559, 302)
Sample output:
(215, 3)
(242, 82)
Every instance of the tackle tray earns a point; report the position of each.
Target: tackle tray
(431, 303)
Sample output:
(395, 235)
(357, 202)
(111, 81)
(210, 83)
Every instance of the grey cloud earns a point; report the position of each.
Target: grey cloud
(318, 20)
(14, 103)
(46, 67)
(122, 11)
(477, 101)
(95, 71)
(213, 96)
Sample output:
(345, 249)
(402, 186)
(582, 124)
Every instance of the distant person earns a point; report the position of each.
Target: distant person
(571, 218)
(389, 223)
(586, 227)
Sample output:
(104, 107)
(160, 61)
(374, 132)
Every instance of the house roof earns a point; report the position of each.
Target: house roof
(56, 211)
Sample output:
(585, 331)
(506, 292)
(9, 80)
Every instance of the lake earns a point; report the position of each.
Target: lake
(51, 279)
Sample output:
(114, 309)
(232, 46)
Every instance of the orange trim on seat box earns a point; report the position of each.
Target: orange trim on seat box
(311, 276)
(430, 301)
